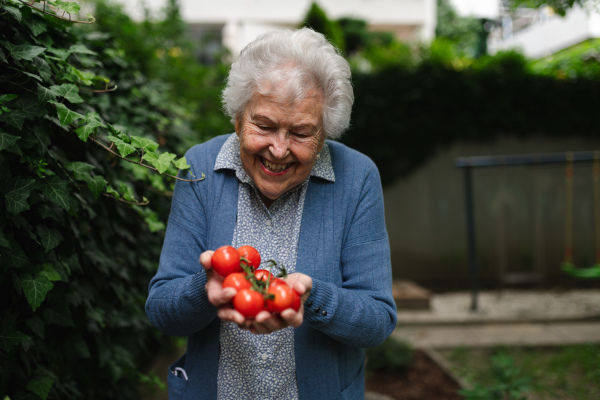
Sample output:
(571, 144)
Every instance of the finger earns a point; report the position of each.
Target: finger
(271, 322)
(205, 258)
(218, 296)
(230, 314)
(293, 318)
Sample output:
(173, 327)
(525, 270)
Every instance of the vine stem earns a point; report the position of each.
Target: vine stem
(142, 164)
(43, 11)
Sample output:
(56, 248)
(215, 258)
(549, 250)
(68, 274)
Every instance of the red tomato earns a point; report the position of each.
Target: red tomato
(250, 254)
(248, 302)
(237, 280)
(226, 260)
(282, 300)
(264, 275)
(277, 281)
(296, 300)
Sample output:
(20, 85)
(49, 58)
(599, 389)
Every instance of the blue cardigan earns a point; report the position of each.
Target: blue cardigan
(343, 247)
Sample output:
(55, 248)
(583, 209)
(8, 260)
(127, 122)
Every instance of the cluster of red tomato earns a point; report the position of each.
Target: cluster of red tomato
(257, 289)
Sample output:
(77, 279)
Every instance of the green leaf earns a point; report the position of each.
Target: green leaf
(181, 163)
(162, 162)
(9, 337)
(81, 170)
(41, 387)
(145, 144)
(14, 257)
(4, 241)
(50, 238)
(65, 116)
(45, 94)
(43, 68)
(96, 185)
(36, 26)
(7, 140)
(61, 54)
(35, 289)
(81, 49)
(50, 273)
(68, 6)
(7, 97)
(25, 52)
(16, 191)
(91, 124)
(13, 11)
(15, 118)
(125, 149)
(110, 190)
(56, 190)
(68, 91)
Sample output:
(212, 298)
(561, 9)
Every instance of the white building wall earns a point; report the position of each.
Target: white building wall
(246, 19)
(551, 34)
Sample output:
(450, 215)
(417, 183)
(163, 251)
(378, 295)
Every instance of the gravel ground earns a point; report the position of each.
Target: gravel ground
(508, 305)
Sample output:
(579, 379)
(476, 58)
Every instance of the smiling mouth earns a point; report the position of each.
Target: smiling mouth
(273, 167)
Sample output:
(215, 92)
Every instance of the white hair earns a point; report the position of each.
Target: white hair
(297, 61)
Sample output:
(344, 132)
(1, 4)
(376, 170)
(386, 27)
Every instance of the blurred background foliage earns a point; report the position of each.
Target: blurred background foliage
(89, 337)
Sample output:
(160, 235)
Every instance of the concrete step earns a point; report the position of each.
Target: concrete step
(410, 297)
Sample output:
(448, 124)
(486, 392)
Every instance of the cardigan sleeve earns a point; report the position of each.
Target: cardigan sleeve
(177, 303)
(361, 312)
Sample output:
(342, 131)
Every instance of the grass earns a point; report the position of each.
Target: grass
(564, 372)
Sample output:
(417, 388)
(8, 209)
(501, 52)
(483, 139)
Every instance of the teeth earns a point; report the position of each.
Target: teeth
(275, 167)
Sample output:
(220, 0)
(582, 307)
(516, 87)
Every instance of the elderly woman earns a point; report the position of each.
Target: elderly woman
(312, 204)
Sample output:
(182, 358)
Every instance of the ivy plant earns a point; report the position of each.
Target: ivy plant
(86, 169)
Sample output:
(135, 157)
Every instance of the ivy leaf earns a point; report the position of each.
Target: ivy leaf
(13, 11)
(24, 51)
(7, 97)
(15, 118)
(81, 170)
(36, 26)
(16, 193)
(68, 6)
(96, 185)
(81, 49)
(68, 91)
(35, 289)
(91, 124)
(43, 68)
(110, 190)
(3, 240)
(145, 144)
(14, 256)
(7, 140)
(46, 94)
(41, 387)
(9, 337)
(65, 116)
(50, 273)
(56, 190)
(50, 238)
(181, 163)
(125, 149)
(162, 162)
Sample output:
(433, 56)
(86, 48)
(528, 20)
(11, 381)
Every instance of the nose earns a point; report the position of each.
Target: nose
(279, 146)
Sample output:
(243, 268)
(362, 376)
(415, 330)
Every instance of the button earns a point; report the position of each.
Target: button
(264, 356)
(324, 313)
(317, 309)
(268, 222)
(308, 303)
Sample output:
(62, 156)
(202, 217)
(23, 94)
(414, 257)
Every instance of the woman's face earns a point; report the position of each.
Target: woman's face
(279, 141)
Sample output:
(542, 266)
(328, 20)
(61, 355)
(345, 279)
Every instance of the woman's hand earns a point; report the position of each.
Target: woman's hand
(219, 297)
(266, 322)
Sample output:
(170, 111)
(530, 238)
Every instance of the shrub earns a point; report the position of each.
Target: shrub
(78, 231)
(391, 356)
